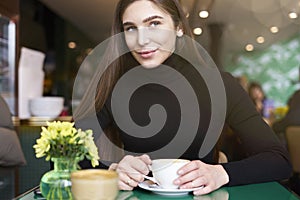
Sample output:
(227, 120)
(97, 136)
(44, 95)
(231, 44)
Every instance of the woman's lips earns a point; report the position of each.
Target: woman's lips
(146, 54)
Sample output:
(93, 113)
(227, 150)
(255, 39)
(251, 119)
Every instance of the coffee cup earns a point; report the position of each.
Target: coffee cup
(165, 171)
(96, 184)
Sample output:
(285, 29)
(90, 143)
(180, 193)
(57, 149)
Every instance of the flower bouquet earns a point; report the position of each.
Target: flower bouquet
(65, 146)
(280, 112)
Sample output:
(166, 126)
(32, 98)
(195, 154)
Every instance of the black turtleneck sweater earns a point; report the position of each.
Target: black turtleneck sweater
(267, 159)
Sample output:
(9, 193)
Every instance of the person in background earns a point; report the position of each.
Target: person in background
(154, 35)
(257, 95)
(292, 117)
(264, 105)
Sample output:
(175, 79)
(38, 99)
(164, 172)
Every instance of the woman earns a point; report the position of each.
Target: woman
(153, 35)
(257, 95)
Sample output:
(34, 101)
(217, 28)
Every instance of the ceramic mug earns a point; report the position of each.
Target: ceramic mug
(96, 184)
(165, 171)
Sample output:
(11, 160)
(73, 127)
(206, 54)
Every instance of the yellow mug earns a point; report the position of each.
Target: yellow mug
(96, 184)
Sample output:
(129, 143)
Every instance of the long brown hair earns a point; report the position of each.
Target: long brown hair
(93, 101)
(111, 75)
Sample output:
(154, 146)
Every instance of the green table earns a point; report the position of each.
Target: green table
(263, 191)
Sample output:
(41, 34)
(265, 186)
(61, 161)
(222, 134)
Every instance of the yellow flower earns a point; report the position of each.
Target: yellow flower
(281, 111)
(61, 139)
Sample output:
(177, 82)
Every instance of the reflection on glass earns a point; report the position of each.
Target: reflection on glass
(7, 61)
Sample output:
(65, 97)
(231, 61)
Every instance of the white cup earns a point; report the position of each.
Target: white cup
(165, 171)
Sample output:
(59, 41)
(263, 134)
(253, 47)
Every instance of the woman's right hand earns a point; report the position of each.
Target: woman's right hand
(131, 170)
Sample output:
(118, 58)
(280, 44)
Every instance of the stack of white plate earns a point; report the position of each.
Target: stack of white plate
(46, 106)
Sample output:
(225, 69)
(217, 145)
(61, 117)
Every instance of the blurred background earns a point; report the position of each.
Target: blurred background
(253, 39)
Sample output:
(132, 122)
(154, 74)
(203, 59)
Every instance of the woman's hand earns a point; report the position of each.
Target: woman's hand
(197, 173)
(131, 170)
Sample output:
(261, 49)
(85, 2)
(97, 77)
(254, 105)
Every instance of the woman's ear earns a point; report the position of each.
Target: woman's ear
(179, 32)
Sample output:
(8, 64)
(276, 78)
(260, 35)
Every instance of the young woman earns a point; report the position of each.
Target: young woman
(153, 52)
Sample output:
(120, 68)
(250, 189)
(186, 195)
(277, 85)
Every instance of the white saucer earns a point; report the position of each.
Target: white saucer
(166, 192)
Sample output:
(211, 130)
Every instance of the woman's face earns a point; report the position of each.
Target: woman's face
(257, 94)
(149, 33)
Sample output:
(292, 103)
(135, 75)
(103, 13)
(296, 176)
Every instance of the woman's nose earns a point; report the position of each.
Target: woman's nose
(143, 36)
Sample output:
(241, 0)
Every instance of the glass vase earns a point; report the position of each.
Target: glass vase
(56, 184)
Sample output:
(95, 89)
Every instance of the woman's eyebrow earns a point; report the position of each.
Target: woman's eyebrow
(151, 18)
(145, 20)
(128, 23)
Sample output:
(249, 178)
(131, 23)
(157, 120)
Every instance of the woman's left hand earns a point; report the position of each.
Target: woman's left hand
(196, 174)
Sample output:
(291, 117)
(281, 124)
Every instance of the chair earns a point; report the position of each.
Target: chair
(11, 154)
(293, 139)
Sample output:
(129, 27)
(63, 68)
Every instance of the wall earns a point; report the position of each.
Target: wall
(29, 176)
(276, 68)
(9, 8)
(43, 30)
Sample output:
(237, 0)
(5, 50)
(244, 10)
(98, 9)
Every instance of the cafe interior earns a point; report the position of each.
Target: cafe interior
(43, 44)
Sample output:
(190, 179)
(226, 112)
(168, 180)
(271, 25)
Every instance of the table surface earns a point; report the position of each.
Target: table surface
(262, 191)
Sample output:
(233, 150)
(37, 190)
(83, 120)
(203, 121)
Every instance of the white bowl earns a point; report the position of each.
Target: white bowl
(46, 106)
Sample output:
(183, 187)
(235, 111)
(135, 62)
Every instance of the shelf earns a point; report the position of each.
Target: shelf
(39, 121)
(3, 40)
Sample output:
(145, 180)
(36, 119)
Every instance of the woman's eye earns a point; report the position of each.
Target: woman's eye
(155, 23)
(129, 28)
